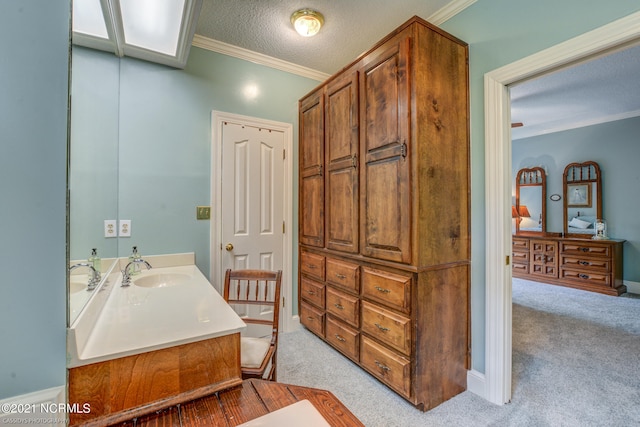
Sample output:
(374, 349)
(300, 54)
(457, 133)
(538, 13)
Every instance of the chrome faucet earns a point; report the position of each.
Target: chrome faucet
(95, 275)
(126, 273)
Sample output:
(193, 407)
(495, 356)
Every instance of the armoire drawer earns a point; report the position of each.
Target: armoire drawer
(386, 326)
(388, 366)
(342, 337)
(520, 257)
(344, 306)
(520, 268)
(312, 318)
(312, 291)
(390, 289)
(343, 274)
(312, 265)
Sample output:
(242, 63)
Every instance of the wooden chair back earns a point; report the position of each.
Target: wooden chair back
(249, 292)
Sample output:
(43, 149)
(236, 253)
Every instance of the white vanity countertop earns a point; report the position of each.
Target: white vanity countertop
(137, 319)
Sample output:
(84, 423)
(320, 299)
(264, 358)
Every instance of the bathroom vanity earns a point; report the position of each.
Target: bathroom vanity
(167, 338)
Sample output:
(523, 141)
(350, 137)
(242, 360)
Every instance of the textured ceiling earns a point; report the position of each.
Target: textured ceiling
(601, 90)
(596, 91)
(351, 27)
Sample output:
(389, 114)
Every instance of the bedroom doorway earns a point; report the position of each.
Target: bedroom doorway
(498, 344)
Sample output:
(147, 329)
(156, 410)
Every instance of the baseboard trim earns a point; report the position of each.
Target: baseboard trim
(476, 383)
(29, 408)
(632, 287)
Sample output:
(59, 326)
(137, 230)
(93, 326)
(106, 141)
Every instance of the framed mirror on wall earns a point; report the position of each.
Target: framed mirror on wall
(582, 194)
(530, 209)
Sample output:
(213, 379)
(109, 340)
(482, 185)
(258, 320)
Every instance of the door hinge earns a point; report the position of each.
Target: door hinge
(282, 302)
(284, 154)
(507, 260)
(283, 232)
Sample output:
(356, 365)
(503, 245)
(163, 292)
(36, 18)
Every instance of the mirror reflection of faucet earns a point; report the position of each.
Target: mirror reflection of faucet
(95, 276)
(133, 267)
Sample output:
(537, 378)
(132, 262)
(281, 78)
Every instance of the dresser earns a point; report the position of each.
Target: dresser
(384, 252)
(590, 265)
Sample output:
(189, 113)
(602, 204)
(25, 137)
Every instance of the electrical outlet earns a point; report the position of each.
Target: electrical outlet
(125, 228)
(110, 229)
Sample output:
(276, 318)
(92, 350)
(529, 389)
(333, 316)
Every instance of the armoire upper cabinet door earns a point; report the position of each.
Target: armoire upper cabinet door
(341, 124)
(385, 152)
(311, 197)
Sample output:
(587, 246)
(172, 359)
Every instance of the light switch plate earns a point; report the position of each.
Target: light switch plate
(203, 212)
(110, 229)
(125, 228)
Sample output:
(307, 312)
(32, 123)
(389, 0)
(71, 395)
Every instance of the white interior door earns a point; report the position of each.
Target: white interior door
(252, 199)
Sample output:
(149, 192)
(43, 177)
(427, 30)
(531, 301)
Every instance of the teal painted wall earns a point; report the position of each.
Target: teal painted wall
(164, 141)
(614, 146)
(34, 39)
(500, 32)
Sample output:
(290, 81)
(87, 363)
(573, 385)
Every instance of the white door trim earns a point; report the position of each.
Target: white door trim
(217, 119)
(498, 184)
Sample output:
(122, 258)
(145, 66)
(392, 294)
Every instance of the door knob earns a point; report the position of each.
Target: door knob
(229, 247)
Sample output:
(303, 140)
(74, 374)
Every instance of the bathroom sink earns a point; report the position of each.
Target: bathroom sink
(78, 283)
(161, 280)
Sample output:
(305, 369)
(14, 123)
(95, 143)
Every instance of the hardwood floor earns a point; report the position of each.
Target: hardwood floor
(248, 401)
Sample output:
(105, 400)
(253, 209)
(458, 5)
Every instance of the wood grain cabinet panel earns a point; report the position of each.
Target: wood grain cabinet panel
(311, 195)
(395, 259)
(342, 191)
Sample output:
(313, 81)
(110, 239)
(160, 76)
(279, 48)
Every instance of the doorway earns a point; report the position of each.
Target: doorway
(251, 189)
(497, 387)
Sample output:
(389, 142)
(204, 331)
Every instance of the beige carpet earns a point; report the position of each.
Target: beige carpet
(576, 362)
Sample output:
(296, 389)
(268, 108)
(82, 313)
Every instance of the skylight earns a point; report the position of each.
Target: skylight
(153, 30)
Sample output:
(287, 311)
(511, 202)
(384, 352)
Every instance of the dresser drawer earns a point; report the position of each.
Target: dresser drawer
(586, 263)
(519, 269)
(344, 274)
(569, 248)
(312, 265)
(312, 291)
(520, 257)
(387, 366)
(386, 326)
(312, 318)
(390, 289)
(342, 337)
(344, 306)
(586, 277)
(520, 244)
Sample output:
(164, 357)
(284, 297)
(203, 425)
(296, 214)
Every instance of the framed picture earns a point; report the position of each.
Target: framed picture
(579, 195)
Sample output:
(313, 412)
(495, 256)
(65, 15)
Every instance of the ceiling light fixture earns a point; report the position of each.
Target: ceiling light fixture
(307, 22)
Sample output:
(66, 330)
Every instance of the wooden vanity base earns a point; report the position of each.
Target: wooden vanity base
(125, 388)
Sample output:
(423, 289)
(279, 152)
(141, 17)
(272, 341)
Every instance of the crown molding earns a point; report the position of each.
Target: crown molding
(449, 11)
(257, 58)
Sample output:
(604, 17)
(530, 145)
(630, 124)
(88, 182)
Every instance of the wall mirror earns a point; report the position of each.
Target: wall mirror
(530, 210)
(93, 167)
(582, 194)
